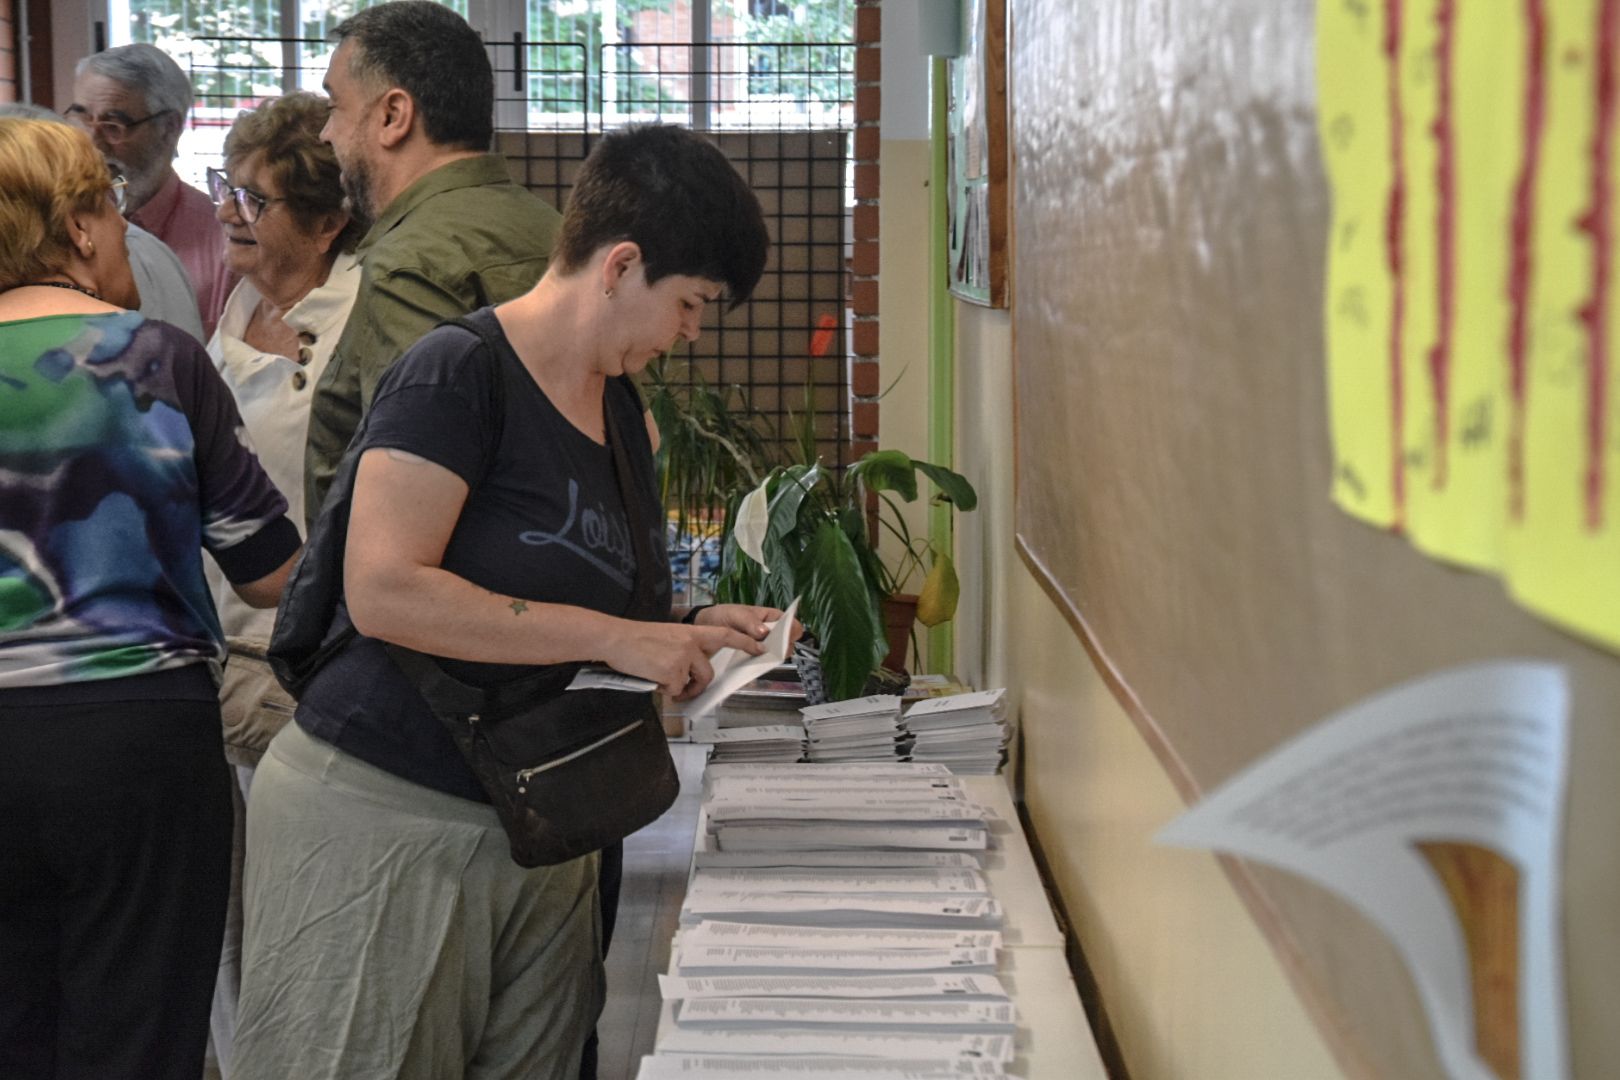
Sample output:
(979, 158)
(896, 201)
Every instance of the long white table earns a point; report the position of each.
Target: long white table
(1054, 1040)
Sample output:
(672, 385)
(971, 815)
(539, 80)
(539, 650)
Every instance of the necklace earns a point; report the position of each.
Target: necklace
(91, 293)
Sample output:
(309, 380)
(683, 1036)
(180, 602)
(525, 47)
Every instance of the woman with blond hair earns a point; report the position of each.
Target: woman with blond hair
(120, 460)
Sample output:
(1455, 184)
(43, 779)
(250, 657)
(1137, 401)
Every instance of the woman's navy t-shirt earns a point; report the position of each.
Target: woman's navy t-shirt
(544, 522)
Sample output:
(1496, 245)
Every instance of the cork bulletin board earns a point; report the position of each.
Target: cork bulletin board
(1175, 468)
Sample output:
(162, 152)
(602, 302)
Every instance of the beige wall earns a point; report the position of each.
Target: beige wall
(1189, 984)
(903, 331)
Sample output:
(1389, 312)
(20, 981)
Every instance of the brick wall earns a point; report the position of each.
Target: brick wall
(863, 373)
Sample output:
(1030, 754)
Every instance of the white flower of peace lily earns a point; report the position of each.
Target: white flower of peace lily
(753, 518)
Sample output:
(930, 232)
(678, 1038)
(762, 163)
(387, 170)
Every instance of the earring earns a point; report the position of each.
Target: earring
(90, 249)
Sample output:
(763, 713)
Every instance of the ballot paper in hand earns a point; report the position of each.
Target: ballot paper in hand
(602, 677)
(734, 669)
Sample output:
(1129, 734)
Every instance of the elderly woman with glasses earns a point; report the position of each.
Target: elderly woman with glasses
(120, 459)
(289, 238)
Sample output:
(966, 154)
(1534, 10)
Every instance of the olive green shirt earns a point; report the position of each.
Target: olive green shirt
(460, 238)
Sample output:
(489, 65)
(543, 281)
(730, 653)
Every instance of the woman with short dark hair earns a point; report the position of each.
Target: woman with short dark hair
(120, 460)
(386, 922)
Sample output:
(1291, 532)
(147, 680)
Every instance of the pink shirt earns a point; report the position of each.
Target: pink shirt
(183, 217)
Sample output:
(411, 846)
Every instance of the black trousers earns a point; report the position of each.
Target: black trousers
(115, 845)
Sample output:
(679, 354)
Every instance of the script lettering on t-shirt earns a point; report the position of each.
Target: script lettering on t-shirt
(588, 532)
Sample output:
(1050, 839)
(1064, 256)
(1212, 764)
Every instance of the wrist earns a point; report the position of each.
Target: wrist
(691, 616)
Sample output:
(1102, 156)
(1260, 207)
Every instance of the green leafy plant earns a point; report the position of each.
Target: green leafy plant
(805, 532)
(713, 447)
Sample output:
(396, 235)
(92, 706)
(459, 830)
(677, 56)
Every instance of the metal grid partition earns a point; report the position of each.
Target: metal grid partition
(538, 85)
(783, 114)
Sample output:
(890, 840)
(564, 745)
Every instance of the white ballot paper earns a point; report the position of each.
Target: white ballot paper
(849, 770)
(702, 733)
(734, 669)
(888, 1044)
(601, 677)
(743, 788)
(956, 985)
(918, 880)
(962, 1017)
(877, 860)
(820, 837)
(841, 909)
(769, 935)
(736, 959)
(1379, 802)
(755, 1067)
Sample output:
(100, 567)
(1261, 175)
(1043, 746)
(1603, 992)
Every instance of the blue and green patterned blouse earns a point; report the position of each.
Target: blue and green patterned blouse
(121, 457)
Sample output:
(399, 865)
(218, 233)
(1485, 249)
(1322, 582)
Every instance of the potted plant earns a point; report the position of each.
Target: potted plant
(713, 448)
(805, 531)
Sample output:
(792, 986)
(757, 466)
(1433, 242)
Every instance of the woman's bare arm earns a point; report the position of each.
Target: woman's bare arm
(403, 513)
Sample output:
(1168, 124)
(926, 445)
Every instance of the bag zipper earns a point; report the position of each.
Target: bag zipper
(524, 775)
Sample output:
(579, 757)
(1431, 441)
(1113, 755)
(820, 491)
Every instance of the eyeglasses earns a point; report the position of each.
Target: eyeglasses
(120, 192)
(114, 129)
(249, 203)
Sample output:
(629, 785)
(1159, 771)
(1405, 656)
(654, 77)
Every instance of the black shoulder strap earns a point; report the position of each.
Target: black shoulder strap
(483, 324)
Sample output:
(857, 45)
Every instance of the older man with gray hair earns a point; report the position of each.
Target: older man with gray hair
(133, 101)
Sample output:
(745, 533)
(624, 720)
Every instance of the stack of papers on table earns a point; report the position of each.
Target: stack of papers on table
(837, 924)
(965, 731)
(782, 743)
(862, 729)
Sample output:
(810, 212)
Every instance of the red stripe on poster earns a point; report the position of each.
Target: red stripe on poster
(1445, 179)
(1598, 222)
(1393, 236)
(1521, 234)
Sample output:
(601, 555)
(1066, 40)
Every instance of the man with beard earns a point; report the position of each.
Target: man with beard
(133, 101)
(412, 98)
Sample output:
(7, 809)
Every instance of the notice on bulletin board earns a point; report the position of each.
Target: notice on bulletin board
(1471, 293)
(1436, 809)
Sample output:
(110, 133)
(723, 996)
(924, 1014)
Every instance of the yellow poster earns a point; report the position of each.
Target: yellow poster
(1352, 104)
(1563, 528)
(1471, 302)
(1465, 108)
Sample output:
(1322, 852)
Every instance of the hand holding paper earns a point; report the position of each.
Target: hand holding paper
(734, 669)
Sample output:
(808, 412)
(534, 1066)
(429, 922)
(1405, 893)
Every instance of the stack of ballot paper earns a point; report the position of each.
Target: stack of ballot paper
(964, 731)
(782, 743)
(814, 813)
(861, 729)
(837, 924)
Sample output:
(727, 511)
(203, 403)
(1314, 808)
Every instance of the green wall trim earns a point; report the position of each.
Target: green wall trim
(941, 354)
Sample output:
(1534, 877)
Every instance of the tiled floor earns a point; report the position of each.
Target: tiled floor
(655, 866)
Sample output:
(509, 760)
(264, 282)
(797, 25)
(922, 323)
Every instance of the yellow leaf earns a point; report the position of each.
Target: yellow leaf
(937, 601)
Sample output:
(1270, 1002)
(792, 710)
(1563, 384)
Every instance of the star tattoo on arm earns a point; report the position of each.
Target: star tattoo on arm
(518, 606)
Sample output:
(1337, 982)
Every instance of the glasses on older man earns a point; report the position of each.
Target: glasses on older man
(113, 127)
(249, 203)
